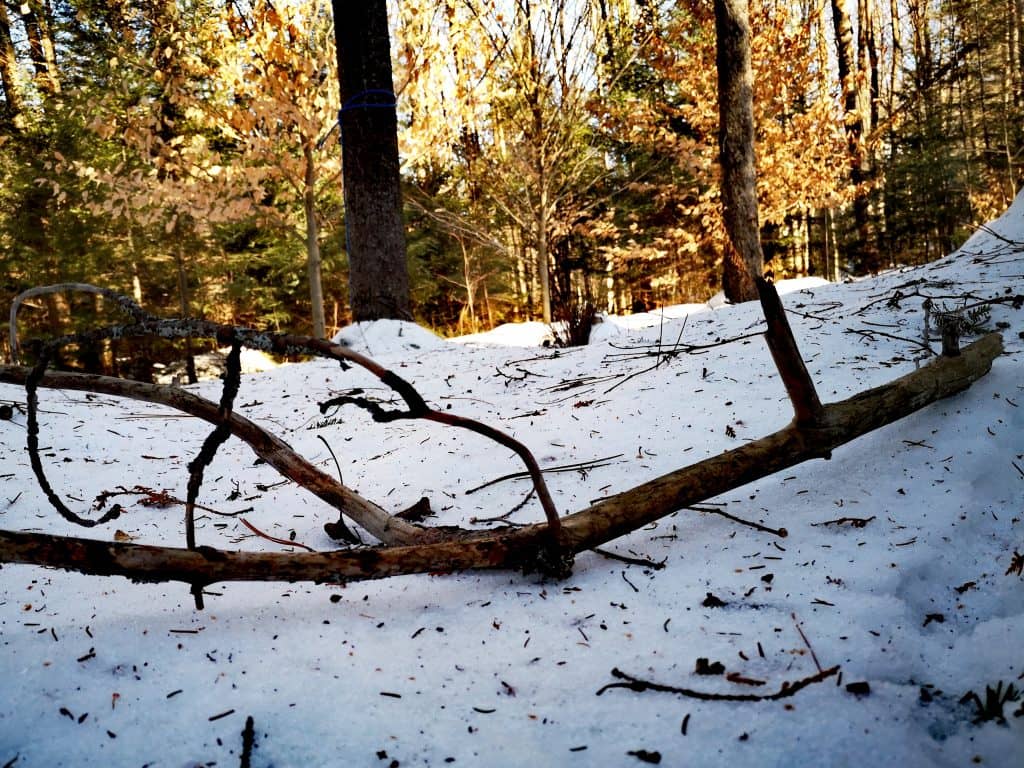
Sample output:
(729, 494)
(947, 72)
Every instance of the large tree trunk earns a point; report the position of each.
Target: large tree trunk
(44, 59)
(378, 274)
(744, 260)
(1018, 50)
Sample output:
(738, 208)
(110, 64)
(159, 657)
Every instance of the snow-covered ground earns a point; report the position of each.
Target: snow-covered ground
(501, 669)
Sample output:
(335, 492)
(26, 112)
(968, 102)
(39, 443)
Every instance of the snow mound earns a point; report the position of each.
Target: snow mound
(380, 338)
(997, 234)
(532, 334)
(613, 326)
(898, 565)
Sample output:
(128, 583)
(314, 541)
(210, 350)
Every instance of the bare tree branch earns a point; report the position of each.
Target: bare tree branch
(268, 447)
(528, 547)
(147, 324)
(787, 689)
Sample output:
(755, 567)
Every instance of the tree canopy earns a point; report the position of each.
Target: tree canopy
(556, 158)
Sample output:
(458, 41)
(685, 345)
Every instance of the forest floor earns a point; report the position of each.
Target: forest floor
(902, 564)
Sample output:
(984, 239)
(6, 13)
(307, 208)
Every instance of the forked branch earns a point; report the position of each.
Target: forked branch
(520, 548)
(267, 446)
(146, 324)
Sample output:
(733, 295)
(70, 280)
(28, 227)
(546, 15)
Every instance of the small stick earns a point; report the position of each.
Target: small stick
(331, 451)
(631, 560)
(504, 516)
(806, 641)
(856, 522)
(248, 738)
(580, 465)
(268, 537)
(787, 689)
(780, 532)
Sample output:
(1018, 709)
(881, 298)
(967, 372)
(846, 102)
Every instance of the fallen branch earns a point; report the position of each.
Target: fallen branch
(268, 447)
(145, 324)
(526, 547)
(840, 423)
(418, 409)
(124, 303)
(787, 689)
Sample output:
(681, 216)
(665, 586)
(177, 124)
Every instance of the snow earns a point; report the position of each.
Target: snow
(387, 337)
(501, 669)
(212, 365)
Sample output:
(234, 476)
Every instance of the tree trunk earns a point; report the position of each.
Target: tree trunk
(316, 293)
(44, 60)
(8, 65)
(855, 124)
(378, 274)
(467, 276)
(1018, 52)
(543, 270)
(184, 306)
(743, 260)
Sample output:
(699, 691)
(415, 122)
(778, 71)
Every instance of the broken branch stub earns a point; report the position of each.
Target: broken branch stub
(806, 405)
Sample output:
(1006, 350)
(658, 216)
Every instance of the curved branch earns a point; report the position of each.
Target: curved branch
(126, 305)
(543, 495)
(530, 546)
(32, 405)
(147, 324)
(268, 447)
(788, 688)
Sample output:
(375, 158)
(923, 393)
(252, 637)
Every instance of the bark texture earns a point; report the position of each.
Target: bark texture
(744, 261)
(378, 275)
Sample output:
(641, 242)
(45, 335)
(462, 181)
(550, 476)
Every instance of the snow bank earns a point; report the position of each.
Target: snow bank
(379, 338)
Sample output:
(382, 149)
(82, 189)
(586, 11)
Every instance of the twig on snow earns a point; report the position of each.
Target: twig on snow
(856, 522)
(248, 739)
(788, 688)
(653, 565)
(807, 642)
(580, 466)
(274, 539)
(780, 532)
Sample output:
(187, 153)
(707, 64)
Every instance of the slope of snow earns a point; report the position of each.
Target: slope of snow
(501, 669)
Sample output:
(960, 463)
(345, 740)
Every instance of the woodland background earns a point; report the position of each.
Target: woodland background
(186, 152)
